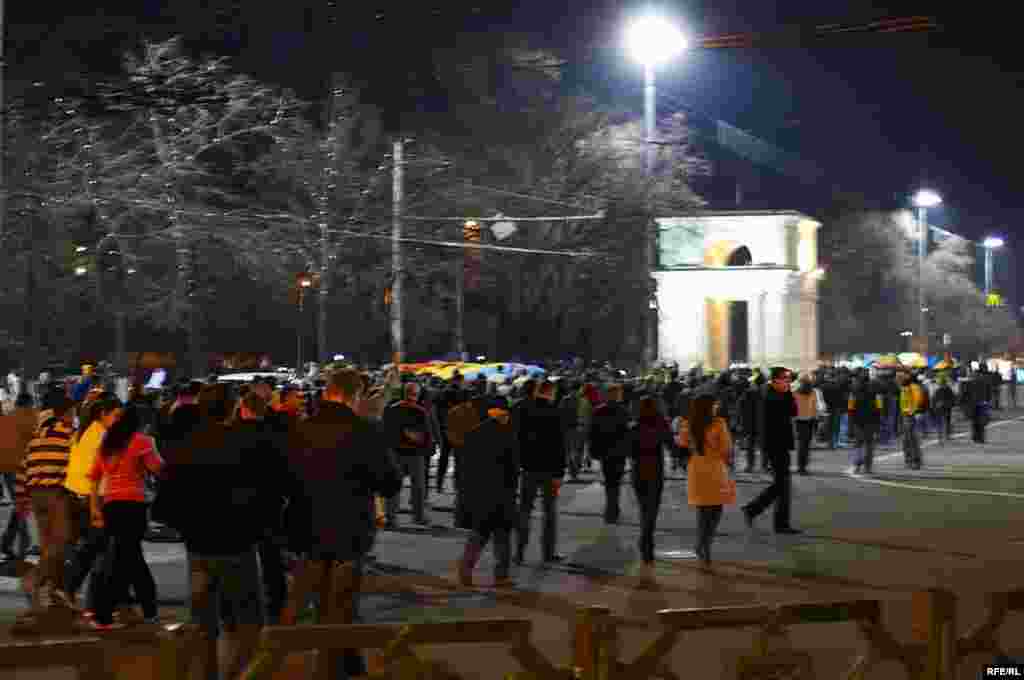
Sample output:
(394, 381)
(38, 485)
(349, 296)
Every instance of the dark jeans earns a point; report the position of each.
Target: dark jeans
(804, 434)
(223, 588)
(496, 526)
(574, 450)
(124, 565)
(532, 483)
(751, 437)
(864, 455)
(415, 467)
(648, 497)
(779, 492)
(613, 469)
(88, 543)
(708, 517)
(17, 530)
(979, 419)
(442, 462)
(835, 420)
(275, 582)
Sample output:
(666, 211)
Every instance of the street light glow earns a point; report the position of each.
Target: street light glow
(81, 249)
(80, 271)
(993, 242)
(653, 41)
(926, 198)
(907, 334)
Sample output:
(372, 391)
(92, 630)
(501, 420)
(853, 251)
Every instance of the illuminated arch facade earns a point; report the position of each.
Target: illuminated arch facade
(762, 262)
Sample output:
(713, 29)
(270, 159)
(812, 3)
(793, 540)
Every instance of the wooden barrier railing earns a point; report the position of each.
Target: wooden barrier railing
(935, 653)
(95, 657)
(397, 641)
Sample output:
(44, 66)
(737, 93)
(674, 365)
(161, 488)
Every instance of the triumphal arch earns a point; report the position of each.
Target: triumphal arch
(738, 287)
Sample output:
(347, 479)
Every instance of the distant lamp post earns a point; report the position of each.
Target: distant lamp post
(923, 199)
(81, 271)
(303, 282)
(81, 249)
(652, 41)
(907, 335)
(990, 244)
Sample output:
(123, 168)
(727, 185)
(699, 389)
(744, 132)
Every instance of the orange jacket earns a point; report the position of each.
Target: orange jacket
(706, 474)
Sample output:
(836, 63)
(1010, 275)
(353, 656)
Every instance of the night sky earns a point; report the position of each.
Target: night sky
(880, 114)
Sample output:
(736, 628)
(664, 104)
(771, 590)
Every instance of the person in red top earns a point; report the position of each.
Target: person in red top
(120, 468)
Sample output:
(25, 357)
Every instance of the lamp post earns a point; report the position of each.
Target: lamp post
(907, 335)
(652, 41)
(923, 199)
(303, 282)
(990, 244)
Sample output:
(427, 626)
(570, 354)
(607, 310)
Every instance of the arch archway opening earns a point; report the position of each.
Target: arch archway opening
(739, 312)
(740, 257)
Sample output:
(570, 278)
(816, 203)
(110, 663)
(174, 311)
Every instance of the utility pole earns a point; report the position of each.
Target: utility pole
(397, 264)
(3, 126)
(328, 185)
(922, 246)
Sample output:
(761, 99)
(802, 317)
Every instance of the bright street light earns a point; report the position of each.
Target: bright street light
(993, 242)
(926, 198)
(907, 334)
(81, 249)
(80, 271)
(653, 41)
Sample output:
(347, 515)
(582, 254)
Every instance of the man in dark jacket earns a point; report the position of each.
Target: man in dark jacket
(543, 460)
(607, 435)
(865, 413)
(223, 488)
(778, 408)
(835, 401)
(408, 430)
(977, 403)
(492, 462)
(340, 461)
(750, 407)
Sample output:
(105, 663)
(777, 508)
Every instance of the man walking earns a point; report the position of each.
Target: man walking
(912, 404)
(340, 461)
(408, 429)
(543, 461)
(778, 408)
(865, 414)
(609, 430)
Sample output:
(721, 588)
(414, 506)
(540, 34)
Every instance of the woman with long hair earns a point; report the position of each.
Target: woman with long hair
(650, 437)
(125, 456)
(94, 419)
(708, 484)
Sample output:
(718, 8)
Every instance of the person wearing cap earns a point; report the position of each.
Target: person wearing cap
(775, 425)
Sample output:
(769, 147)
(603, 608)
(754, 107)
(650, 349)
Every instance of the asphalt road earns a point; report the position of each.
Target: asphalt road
(855, 528)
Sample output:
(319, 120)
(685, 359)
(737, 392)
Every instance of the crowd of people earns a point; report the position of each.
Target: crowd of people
(259, 480)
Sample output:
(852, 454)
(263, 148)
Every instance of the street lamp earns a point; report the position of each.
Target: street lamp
(303, 282)
(923, 199)
(81, 271)
(652, 41)
(990, 244)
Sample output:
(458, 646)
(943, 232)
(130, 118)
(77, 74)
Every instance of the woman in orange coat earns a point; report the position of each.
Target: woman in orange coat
(708, 483)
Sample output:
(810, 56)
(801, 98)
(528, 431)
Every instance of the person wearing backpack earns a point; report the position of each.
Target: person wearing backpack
(608, 433)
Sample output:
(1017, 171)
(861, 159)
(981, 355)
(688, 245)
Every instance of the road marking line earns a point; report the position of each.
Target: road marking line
(941, 489)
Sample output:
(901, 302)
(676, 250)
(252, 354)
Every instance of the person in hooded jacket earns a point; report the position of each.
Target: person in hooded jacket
(492, 462)
(408, 429)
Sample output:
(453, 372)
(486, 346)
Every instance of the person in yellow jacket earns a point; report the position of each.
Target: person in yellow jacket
(94, 421)
(913, 405)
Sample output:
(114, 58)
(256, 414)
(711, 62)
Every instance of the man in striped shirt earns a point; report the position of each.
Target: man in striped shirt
(44, 469)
